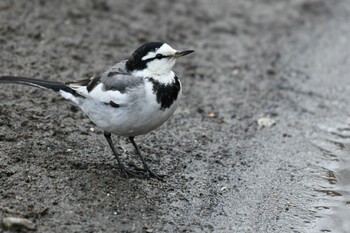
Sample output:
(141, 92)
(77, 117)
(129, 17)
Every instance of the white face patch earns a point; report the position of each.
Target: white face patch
(165, 50)
(159, 68)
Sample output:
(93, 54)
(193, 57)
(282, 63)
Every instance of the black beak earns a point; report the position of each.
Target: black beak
(182, 53)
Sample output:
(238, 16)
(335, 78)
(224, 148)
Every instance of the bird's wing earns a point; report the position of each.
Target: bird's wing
(110, 87)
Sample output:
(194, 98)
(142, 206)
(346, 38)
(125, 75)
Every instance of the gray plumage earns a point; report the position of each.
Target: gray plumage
(117, 78)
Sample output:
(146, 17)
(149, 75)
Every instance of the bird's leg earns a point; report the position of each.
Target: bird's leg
(145, 166)
(125, 171)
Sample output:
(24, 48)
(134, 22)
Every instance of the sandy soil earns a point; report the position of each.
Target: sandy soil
(224, 172)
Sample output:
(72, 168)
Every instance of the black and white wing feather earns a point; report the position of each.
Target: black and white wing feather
(110, 87)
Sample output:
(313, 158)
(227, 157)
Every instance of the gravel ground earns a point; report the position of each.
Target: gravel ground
(224, 171)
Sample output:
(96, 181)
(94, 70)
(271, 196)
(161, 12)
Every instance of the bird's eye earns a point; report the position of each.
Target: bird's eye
(159, 56)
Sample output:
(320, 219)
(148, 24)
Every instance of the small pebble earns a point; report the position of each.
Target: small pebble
(17, 223)
(235, 71)
(266, 122)
(212, 114)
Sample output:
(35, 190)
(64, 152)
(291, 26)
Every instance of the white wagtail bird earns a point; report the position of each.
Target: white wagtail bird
(133, 97)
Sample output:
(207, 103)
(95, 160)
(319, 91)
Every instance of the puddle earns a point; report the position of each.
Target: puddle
(333, 209)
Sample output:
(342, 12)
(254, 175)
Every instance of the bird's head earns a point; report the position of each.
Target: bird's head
(154, 58)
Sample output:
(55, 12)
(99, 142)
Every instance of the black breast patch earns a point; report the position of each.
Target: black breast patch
(166, 93)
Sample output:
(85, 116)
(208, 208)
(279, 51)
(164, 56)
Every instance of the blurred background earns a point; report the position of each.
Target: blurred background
(258, 144)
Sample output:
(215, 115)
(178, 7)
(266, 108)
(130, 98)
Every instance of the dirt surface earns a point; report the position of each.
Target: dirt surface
(280, 60)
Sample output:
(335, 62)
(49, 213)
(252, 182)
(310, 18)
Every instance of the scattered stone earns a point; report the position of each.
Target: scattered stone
(17, 223)
(271, 72)
(266, 122)
(212, 114)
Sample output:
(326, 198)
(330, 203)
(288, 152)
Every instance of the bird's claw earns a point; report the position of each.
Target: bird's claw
(146, 173)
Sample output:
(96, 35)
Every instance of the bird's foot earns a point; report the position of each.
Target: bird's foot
(141, 173)
(155, 175)
(129, 173)
(149, 172)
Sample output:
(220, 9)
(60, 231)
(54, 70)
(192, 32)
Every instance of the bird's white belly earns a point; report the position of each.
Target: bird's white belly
(136, 118)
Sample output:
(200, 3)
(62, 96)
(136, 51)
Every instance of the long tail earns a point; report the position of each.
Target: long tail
(59, 87)
(50, 85)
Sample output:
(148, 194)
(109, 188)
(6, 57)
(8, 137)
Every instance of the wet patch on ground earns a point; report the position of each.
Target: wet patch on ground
(333, 208)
